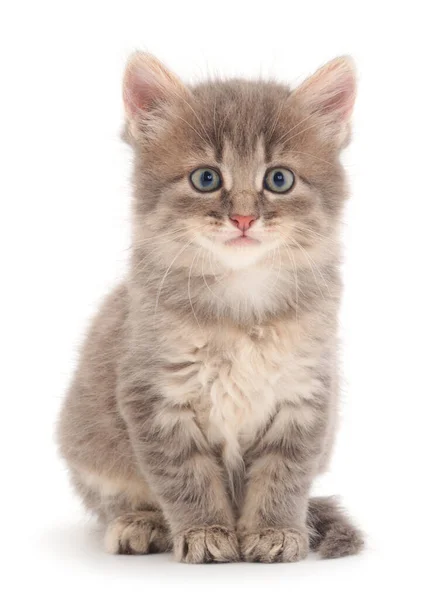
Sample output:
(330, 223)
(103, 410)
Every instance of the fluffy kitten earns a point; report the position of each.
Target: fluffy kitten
(205, 400)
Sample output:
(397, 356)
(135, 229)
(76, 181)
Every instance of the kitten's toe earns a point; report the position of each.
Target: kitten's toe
(143, 532)
(207, 544)
(274, 545)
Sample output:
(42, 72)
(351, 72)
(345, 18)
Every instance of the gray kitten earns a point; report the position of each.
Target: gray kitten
(205, 400)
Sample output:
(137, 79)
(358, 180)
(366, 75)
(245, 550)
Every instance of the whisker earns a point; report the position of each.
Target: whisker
(208, 287)
(191, 127)
(181, 96)
(147, 257)
(310, 263)
(222, 125)
(314, 155)
(212, 264)
(295, 278)
(300, 132)
(214, 119)
(277, 118)
(273, 265)
(291, 129)
(150, 242)
(304, 229)
(167, 272)
(189, 285)
(161, 235)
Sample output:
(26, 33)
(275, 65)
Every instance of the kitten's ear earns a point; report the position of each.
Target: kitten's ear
(329, 96)
(147, 82)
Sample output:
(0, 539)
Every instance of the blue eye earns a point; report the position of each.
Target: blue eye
(205, 179)
(279, 180)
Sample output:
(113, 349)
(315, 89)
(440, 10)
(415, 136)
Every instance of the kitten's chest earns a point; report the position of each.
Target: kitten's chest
(235, 381)
(239, 388)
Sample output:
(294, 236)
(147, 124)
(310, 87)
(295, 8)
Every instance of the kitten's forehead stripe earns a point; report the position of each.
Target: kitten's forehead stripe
(244, 170)
(241, 111)
(260, 163)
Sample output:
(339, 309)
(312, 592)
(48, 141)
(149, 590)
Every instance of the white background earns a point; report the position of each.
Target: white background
(64, 193)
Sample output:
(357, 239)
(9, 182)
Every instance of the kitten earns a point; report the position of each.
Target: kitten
(205, 400)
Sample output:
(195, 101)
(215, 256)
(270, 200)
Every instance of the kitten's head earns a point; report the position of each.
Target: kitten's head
(236, 168)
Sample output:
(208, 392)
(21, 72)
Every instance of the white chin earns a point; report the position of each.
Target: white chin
(240, 257)
(237, 257)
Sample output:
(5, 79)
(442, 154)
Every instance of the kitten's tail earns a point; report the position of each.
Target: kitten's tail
(332, 534)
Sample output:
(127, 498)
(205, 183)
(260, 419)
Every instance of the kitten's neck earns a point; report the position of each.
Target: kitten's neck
(244, 298)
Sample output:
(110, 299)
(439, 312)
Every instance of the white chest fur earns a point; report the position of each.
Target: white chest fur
(240, 383)
(235, 380)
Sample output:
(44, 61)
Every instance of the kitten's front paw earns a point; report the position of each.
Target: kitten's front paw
(207, 544)
(274, 545)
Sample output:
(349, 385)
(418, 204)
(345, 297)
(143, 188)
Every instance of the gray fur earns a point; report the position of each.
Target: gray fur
(204, 403)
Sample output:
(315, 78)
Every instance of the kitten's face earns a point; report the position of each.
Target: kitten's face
(239, 170)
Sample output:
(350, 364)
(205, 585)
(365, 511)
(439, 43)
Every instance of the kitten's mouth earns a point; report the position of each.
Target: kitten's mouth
(242, 240)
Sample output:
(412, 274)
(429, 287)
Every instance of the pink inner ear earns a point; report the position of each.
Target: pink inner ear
(338, 100)
(140, 92)
(330, 92)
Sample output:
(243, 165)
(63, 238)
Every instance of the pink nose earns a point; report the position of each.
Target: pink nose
(243, 222)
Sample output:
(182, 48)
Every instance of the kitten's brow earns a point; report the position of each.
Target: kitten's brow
(291, 129)
(196, 115)
(315, 156)
(195, 130)
(300, 132)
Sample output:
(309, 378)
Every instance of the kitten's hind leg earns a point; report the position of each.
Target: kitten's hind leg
(139, 532)
(132, 516)
(332, 534)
